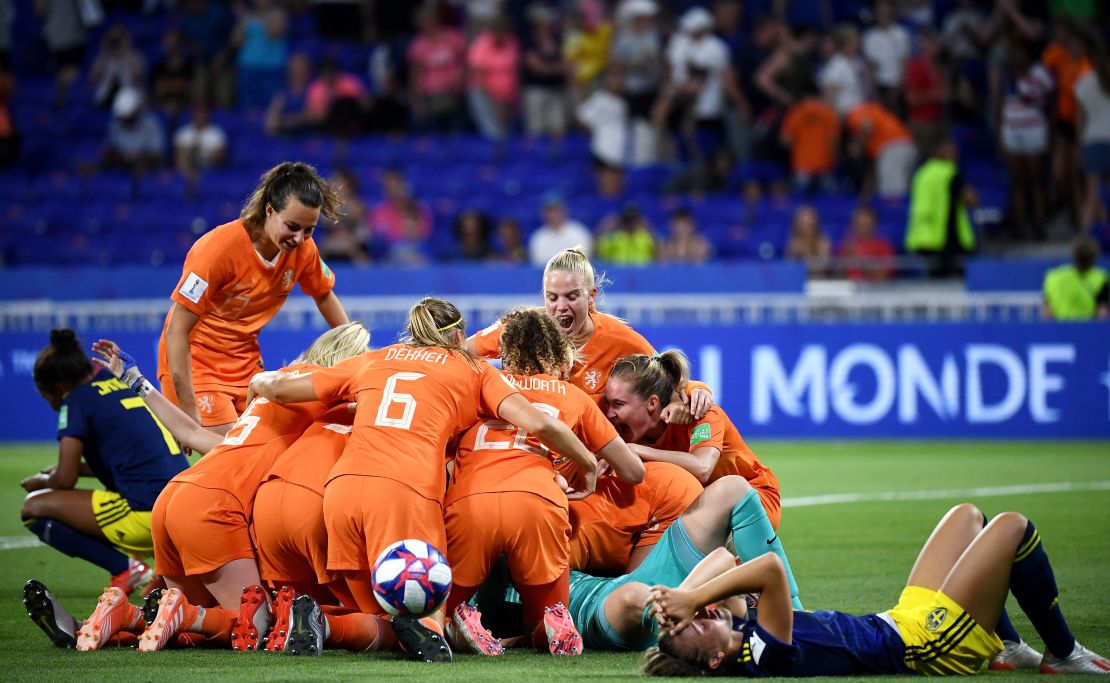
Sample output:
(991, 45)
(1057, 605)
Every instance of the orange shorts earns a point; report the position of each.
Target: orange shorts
(289, 533)
(197, 530)
(364, 515)
(532, 532)
(771, 504)
(217, 404)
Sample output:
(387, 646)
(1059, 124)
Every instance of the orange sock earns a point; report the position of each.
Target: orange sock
(359, 632)
(216, 624)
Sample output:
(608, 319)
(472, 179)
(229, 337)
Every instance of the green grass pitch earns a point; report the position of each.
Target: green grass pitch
(852, 556)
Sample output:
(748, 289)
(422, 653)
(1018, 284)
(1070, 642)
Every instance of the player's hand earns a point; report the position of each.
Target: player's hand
(676, 412)
(603, 468)
(699, 401)
(673, 608)
(590, 486)
(117, 361)
(35, 482)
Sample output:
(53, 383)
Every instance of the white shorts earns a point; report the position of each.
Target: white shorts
(1025, 140)
(894, 168)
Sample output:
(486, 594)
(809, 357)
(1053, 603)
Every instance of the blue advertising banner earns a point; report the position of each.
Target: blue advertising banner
(949, 380)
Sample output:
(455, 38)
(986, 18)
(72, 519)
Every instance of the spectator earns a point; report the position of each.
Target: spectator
(926, 94)
(1065, 60)
(136, 140)
(1092, 91)
(887, 48)
(171, 79)
(962, 42)
(1025, 87)
(410, 248)
(545, 76)
(337, 101)
(118, 65)
(344, 239)
(7, 18)
(288, 111)
(939, 224)
(200, 144)
(685, 244)
(398, 217)
(261, 39)
(493, 60)
(886, 142)
(586, 43)
(786, 75)
(626, 239)
(811, 130)
(701, 80)
(388, 104)
(867, 255)
(64, 33)
(437, 73)
(9, 135)
(207, 27)
(557, 233)
(605, 114)
(637, 57)
(510, 245)
(844, 80)
(1077, 291)
(808, 242)
(472, 236)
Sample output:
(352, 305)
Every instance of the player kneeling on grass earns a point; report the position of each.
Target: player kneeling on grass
(503, 499)
(105, 431)
(943, 623)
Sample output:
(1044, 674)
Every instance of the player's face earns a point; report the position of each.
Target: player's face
(290, 227)
(568, 301)
(710, 632)
(631, 415)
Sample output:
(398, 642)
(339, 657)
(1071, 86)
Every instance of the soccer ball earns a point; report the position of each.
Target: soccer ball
(411, 577)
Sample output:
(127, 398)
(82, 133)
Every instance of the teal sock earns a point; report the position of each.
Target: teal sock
(753, 536)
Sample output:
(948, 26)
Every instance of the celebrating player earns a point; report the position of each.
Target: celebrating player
(412, 397)
(570, 291)
(104, 431)
(202, 543)
(943, 623)
(503, 500)
(235, 279)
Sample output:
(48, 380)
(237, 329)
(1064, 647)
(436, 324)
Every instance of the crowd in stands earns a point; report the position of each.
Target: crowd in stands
(645, 130)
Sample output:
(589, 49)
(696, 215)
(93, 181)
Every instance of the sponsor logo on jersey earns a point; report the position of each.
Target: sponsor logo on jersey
(287, 279)
(593, 378)
(63, 417)
(702, 432)
(935, 619)
(193, 288)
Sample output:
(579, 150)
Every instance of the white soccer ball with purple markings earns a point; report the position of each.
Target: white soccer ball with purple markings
(411, 577)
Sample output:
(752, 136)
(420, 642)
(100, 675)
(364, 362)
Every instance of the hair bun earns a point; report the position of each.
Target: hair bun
(63, 338)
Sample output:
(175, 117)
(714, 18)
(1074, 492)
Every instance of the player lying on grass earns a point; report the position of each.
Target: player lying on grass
(200, 520)
(503, 498)
(609, 612)
(104, 431)
(943, 623)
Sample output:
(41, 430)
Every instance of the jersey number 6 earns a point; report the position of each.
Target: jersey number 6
(390, 395)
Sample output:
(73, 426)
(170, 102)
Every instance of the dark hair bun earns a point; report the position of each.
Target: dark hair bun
(63, 339)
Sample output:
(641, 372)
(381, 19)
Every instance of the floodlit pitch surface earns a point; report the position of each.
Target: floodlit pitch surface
(850, 552)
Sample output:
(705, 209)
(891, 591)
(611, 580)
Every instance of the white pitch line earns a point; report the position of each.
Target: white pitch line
(980, 492)
(17, 542)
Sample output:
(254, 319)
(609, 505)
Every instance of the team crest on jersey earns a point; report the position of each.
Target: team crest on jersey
(935, 619)
(287, 279)
(593, 378)
(205, 403)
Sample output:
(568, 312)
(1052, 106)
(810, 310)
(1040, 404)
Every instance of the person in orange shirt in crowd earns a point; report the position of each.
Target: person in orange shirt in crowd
(413, 398)
(871, 254)
(709, 448)
(570, 291)
(811, 130)
(1067, 61)
(886, 141)
(498, 480)
(235, 279)
(202, 545)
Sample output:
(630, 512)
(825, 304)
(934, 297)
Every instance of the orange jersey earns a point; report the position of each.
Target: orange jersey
(618, 517)
(308, 461)
(494, 456)
(411, 402)
(612, 340)
(812, 128)
(716, 430)
(239, 462)
(1066, 69)
(885, 126)
(235, 293)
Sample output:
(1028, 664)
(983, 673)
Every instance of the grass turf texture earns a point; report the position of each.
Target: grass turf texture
(853, 557)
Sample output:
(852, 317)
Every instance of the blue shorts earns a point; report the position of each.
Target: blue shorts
(1096, 158)
(668, 564)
